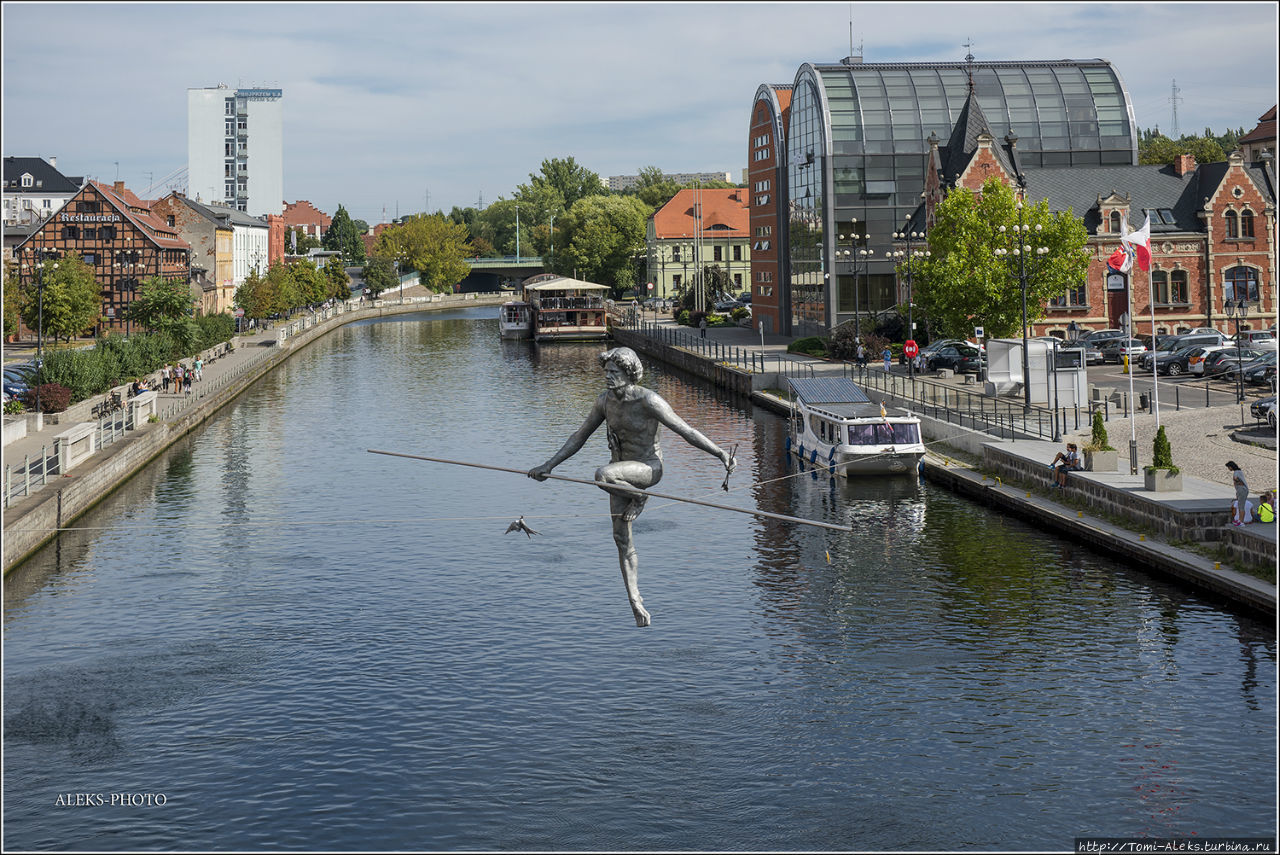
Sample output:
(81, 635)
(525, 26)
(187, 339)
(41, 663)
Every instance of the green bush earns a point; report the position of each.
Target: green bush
(682, 317)
(811, 346)
(1099, 441)
(114, 360)
(1161, 453)
(739, 313)
(13, 407)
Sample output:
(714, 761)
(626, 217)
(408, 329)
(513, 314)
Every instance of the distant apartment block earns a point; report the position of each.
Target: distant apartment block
(235, 148)
(626, 182)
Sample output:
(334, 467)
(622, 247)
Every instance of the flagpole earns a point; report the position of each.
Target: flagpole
(1128, 295)
(1155, 371)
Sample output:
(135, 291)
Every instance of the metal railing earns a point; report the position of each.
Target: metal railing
(21, 481)
(747, 359)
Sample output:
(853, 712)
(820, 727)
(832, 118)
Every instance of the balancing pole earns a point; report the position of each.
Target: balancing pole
(624, 488)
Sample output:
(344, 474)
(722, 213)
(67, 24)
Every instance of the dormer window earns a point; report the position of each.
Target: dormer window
(1115, 222)
(28, 180)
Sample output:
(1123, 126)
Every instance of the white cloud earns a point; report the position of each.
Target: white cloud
(382, 101)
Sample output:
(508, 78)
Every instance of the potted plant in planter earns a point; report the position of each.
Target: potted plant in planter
(1162, 476)
(1099, 456)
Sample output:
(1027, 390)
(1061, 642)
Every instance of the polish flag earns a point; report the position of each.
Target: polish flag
(1140, 243)
(1120, 261)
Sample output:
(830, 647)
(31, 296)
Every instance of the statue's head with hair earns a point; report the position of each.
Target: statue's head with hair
(626, 359)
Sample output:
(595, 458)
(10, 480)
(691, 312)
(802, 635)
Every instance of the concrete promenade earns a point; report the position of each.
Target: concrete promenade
(32, 518)
(1110, 510)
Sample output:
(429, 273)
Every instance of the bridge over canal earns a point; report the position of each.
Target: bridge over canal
(506, 273)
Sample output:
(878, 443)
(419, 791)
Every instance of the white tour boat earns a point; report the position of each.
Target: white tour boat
(834, 424)
(515, 319)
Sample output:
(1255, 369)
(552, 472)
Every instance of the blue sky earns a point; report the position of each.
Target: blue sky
(387, 103)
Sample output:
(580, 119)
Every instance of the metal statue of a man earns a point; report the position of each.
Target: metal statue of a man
(632, 414)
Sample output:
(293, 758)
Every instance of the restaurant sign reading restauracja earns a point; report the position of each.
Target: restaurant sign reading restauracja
(89, 218)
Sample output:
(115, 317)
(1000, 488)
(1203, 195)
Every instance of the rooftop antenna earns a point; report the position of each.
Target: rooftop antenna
(968, 58)
(1174, 98)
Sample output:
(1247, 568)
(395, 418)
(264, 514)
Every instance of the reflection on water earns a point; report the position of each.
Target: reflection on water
(305, 646)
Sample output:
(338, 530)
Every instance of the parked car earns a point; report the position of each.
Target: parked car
(18, 378)
(1221, 360)
(1175, 362)
(1092, 355)
(1258, 410)
(1097, 338)
(1261, 371)
(1113, 350)
(1252, 366)
(958, 356)
(745, 298)
(1256, 339)
(725, 307)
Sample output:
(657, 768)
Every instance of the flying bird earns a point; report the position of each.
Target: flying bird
(520, 525)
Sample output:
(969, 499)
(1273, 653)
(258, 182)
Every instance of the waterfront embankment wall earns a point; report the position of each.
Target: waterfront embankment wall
(34, 521)
(1022, 463)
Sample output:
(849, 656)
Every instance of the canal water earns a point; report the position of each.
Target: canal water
(274, 639)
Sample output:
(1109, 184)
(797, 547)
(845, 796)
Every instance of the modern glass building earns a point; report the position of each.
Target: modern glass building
(857, 147)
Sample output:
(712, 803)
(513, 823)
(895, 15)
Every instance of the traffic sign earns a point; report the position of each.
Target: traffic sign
(910, 349)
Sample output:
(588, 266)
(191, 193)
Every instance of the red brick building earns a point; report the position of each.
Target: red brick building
(767, 179)
(118, 237)
(306, 218)
(1212, 230)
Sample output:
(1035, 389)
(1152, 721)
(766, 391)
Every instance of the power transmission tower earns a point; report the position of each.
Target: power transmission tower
(1174, 98)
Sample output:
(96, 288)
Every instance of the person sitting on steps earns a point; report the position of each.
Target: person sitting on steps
(1070, 463)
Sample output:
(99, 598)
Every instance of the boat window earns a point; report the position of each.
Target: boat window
(884, 434)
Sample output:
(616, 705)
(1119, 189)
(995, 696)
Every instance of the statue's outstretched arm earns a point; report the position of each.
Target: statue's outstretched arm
(574, 443)
(663, 412)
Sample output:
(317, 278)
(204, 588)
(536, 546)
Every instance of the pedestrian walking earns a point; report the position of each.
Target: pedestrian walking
(177, 379)
(888, 358)
(165, 374)
(1242, 493)
(862, 356)
(199, 369)
(186, 380)
(702, 326)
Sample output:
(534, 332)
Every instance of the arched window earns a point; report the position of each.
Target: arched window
(1115, 222)
(1246, 224)
(1178, 286)
(1240, 283)
(1233, 225)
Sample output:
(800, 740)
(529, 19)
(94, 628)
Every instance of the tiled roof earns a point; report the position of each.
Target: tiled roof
(46, 178)
(1266, 129)
(126, 202)
(724, 213)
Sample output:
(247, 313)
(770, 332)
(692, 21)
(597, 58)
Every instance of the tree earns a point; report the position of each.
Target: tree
(253, 297)
(339, 281)
(362, 227)
(72, 299)
(432, 245)
(964, 283)
(571, 181)
(12, 298)
(600, 238)
(298, 242)
(283, 292)
(160, 302)
(310, 284)
(342, 236)
(379, 274)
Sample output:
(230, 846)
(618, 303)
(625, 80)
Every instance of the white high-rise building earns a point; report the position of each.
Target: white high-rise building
(235, 149)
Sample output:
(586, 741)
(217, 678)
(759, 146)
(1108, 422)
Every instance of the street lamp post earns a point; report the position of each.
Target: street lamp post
(909, 255)
(1238, 310)
(1021, 251)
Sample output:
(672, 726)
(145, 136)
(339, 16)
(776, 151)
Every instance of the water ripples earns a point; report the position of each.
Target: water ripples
(305, 646)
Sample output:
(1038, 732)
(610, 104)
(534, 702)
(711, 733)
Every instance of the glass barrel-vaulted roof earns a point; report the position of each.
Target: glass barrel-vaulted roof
(1065, 113)
(868, 127)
